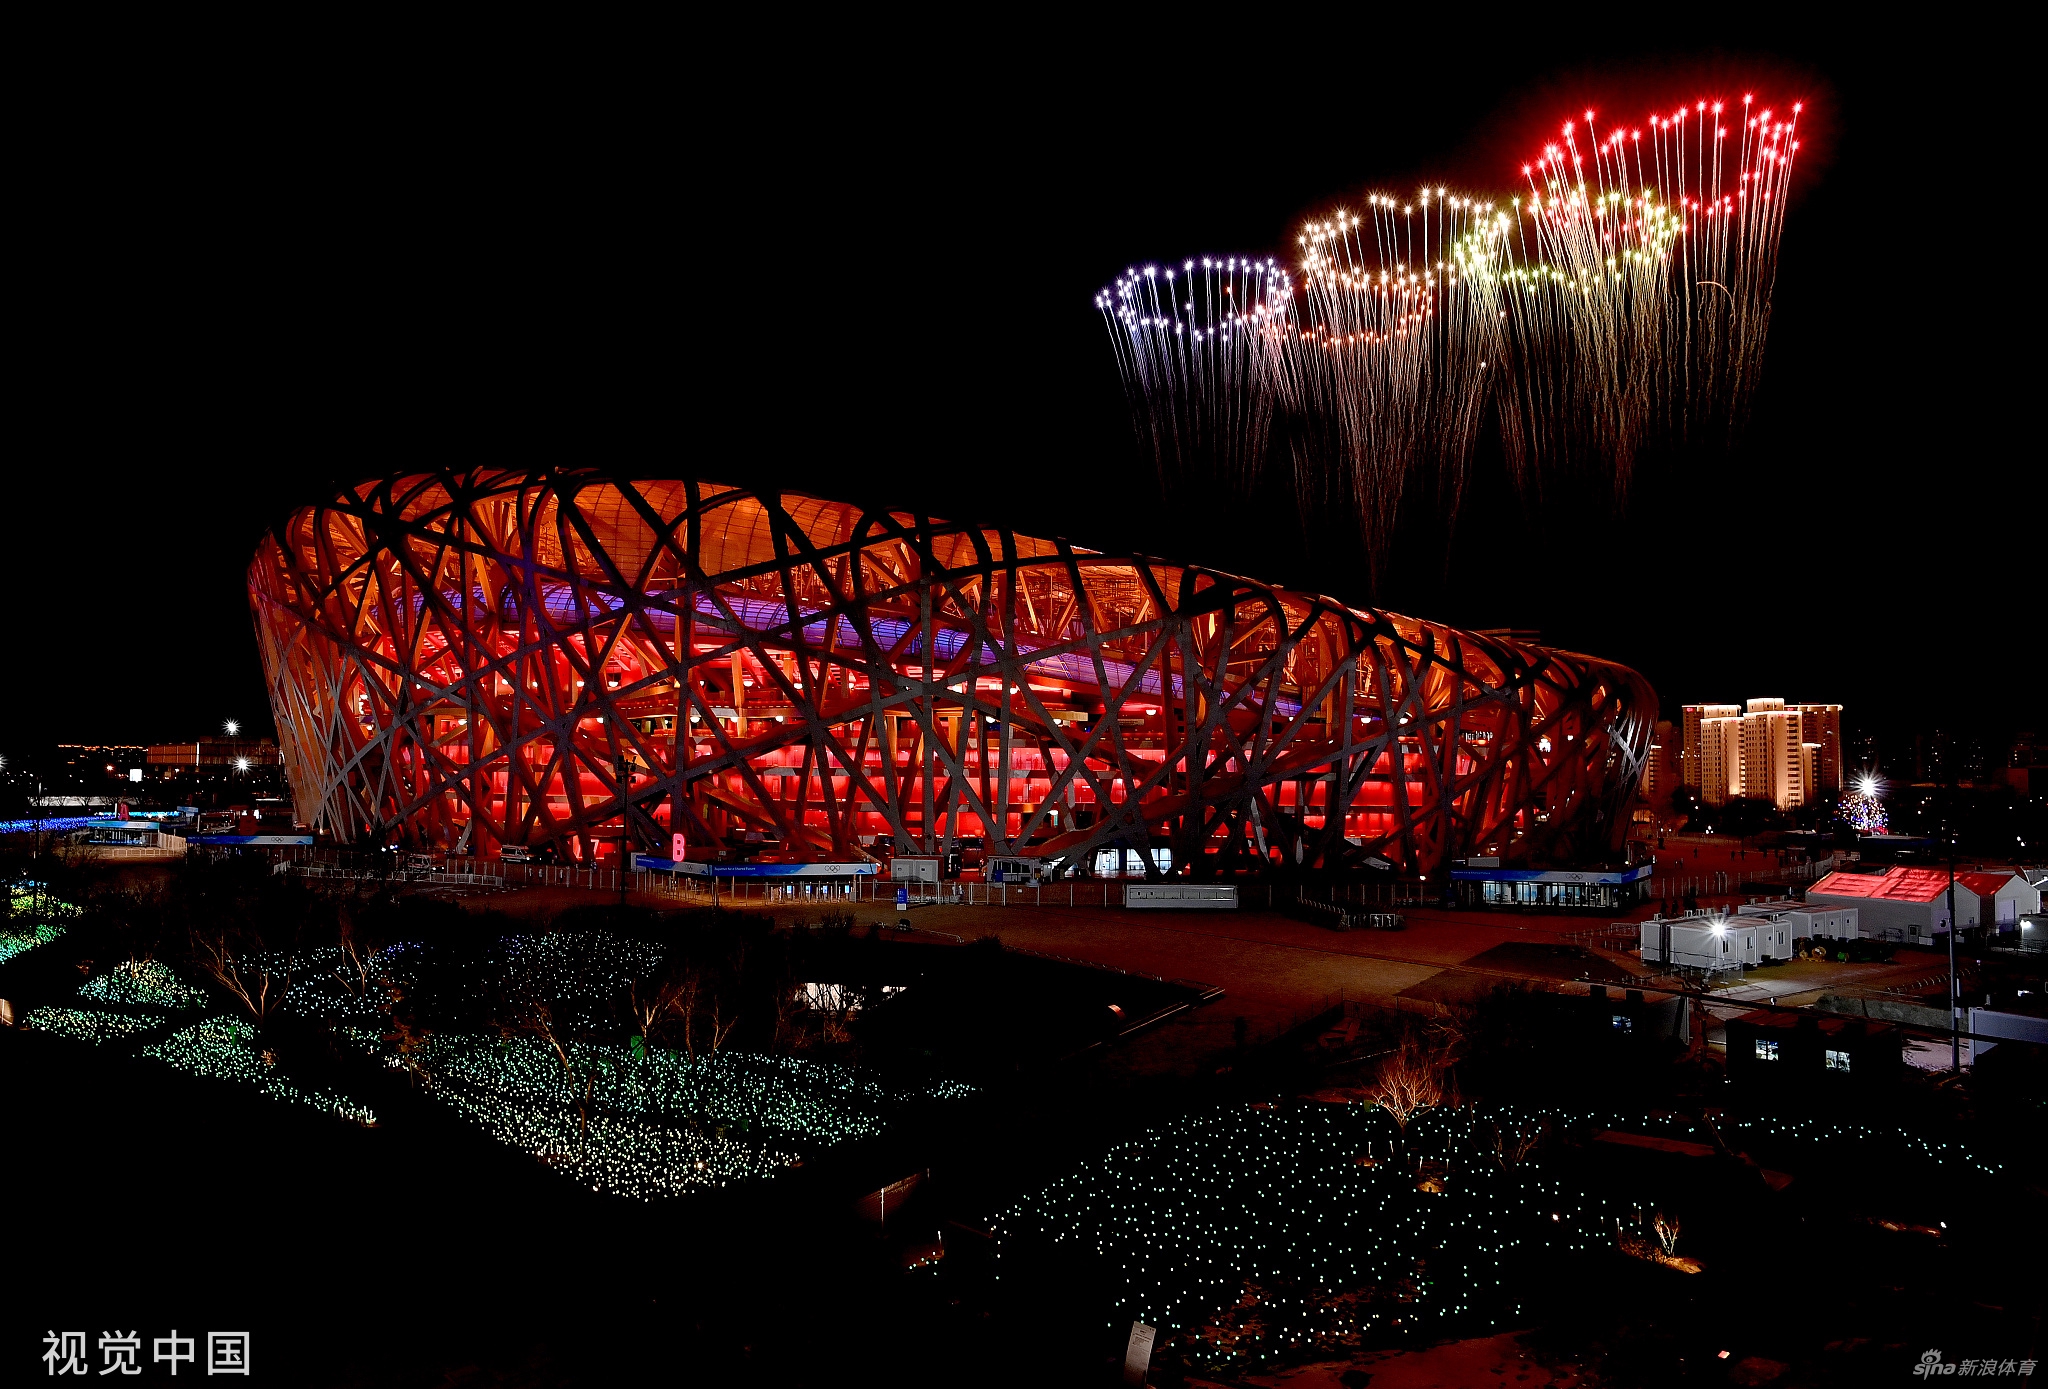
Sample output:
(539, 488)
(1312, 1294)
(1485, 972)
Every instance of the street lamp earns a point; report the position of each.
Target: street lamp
(232, 727)
(1955, 997)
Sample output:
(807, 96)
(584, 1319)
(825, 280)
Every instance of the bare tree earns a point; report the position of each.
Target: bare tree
(1512, 1142)
(248, 975)
(356, 954)
(535, 1017)
(1666, 1227)
(1411, 1077)
(689, 992)
(653, 1005)
(721, 1026)
(407, 1037)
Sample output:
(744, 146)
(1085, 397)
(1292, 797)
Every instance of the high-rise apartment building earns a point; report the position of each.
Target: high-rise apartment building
(1720, 758)
(1821, 725)
(1786, 754)
(1773, 757)
(1660, 768)
(1691, 769)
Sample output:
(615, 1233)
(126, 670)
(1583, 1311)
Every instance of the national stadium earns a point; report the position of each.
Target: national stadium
(464, 660)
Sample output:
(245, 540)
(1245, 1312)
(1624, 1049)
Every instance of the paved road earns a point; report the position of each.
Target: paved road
(1276, 970)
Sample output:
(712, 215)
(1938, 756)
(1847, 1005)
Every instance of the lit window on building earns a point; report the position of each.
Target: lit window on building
(1766, 1051)
(1622, 1023)
(1838, 1060)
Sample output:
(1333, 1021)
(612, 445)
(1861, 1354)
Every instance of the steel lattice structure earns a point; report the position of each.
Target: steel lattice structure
(471, 658)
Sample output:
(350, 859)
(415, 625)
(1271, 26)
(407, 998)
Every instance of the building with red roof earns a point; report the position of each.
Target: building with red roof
(1899, 904)
(2003, 896)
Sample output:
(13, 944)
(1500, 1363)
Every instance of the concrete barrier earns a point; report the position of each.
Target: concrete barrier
(1182, 896)
(1883, 1010)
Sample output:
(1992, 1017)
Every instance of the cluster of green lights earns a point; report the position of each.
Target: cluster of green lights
(580, 973)
(131, 999)
(647, 1123)
(634, 1120)
(325, 984)
(143, 984)
(222, 1048)
(95, 1025)
(19, 940)
(1184, 1217)
(1193, 1218)
(1856, 1143)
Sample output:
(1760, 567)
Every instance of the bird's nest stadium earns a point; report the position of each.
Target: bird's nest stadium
(470, 659)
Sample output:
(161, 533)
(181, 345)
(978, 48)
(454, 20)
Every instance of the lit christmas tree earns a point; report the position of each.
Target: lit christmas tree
(1863, 807)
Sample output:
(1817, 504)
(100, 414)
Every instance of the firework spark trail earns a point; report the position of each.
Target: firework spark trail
(1648, 286)
(1621, 304)
(1388, 374)
(1199, 349)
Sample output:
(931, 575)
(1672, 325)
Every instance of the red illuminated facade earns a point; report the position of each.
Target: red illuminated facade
(468, 659)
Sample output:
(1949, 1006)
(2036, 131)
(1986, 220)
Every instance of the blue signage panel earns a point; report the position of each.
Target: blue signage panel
(1552, 875)
(756, 870)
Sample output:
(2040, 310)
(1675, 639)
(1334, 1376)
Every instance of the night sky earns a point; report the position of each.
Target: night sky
(873, 279)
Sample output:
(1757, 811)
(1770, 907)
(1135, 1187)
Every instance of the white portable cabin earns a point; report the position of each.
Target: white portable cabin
(1820, 923)
(913, 870)
(1700, 943)
(1016, 870)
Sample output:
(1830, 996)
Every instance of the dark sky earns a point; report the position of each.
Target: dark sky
(871, 276)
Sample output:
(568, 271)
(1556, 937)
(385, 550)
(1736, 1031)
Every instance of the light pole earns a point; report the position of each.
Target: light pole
(1955, 1009)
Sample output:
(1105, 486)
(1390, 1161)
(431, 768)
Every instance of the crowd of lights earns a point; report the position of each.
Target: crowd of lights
(1194, 1223)
(1186, 1215)
(1856, 1144)
(222, 1048)
(95, 1025)
(20, 940)
(143, 984)
(647, 1122)
(1622, 298)
(27, 900)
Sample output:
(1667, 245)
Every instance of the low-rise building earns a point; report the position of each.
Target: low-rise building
(1811, 922)
(1715, 942)
(1483, 882)
(219, 753)
(1811, 1050)
(2003, 896)
(1900, 904)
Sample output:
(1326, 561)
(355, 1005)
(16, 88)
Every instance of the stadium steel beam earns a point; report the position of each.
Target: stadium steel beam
(483, 657)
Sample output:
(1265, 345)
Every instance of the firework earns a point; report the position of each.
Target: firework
(1620, 303)
(1644, 265)
(1389, 368)
(1199, 346)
